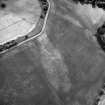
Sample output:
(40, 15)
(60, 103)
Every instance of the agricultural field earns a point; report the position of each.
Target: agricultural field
(20, 21)
(63, 65)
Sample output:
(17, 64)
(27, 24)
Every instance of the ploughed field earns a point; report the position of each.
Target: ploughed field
(18, 19)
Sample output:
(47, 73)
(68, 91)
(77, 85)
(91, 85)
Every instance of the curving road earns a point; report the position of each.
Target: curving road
(31, 33)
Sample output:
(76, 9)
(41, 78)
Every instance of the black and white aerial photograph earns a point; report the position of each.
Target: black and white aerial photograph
(52, 52)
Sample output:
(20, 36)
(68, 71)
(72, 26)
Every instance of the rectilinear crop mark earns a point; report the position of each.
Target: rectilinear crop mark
(55, 69)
